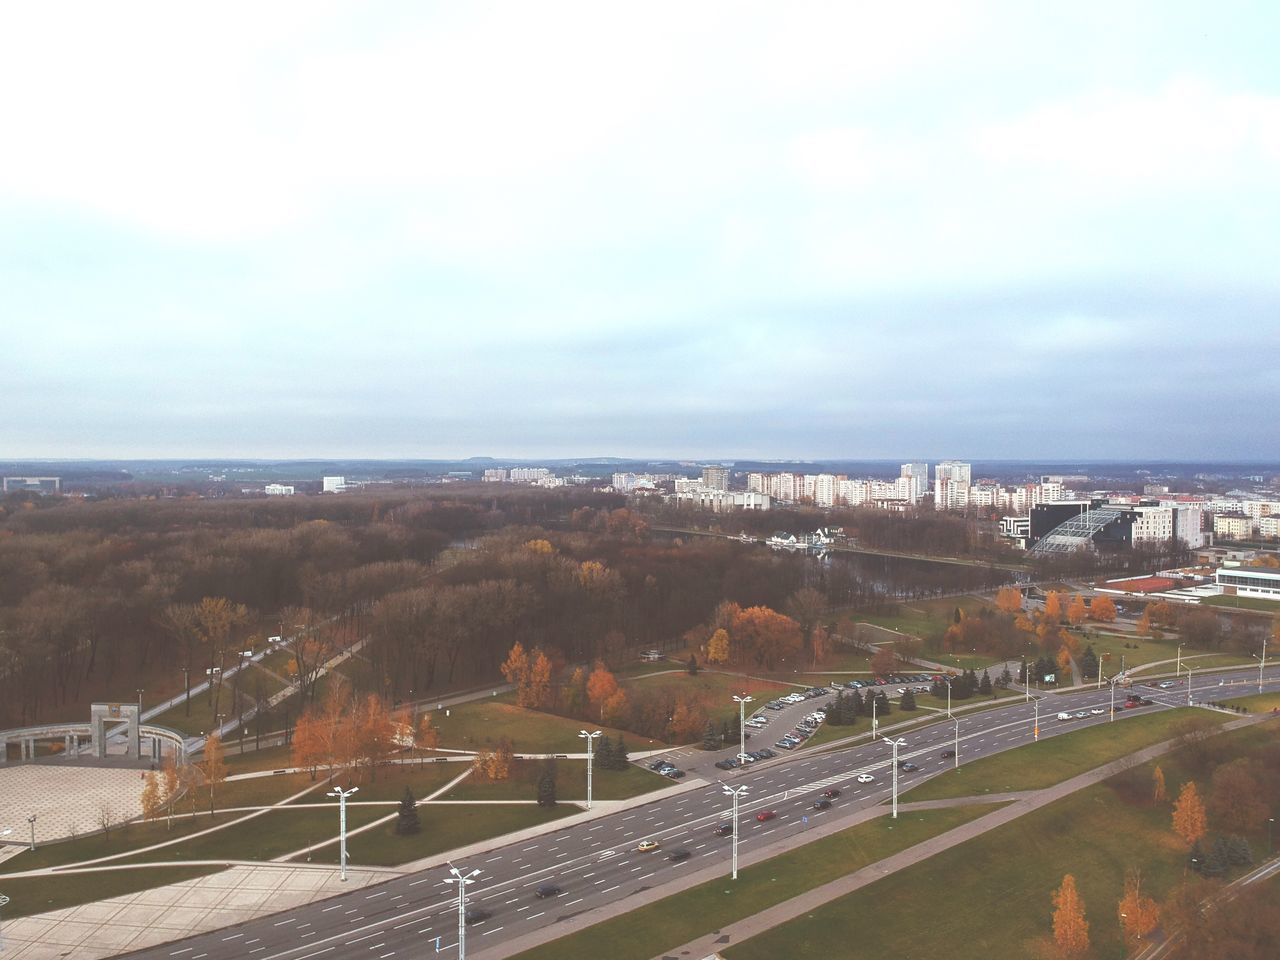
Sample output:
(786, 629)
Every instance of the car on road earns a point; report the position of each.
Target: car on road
(546, 891)
(948, 754)
(764, 815)
(679, 856)
(865, 778)
(832, 793)
(477, 915)
(1080, 715)
(907, 766)
(723, 830)
(1064, 716)
(821, 804)
(1097, 711)
(646, 846)
(1165, 684)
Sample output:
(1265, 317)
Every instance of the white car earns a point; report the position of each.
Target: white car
(866, 778)
(1097, 711)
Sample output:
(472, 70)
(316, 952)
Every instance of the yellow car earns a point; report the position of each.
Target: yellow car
(645, 846)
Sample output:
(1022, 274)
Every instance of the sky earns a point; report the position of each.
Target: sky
(969, 230)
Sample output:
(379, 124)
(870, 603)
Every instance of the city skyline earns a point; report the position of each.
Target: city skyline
(407, 231)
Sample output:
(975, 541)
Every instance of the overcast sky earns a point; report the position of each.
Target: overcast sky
(686, 229)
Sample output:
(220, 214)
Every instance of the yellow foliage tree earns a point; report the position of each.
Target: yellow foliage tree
(516, 670)
(1077, 611)
(152, 801)
(1138, 914)
(1053, 606)
(539, 681)
(215, 767)
(1070, 928)
(540, 547)
(601, 686)
(1158, 794)
(170, 781)
(1064, 661)
(1009, 600)
(1189, 821)
(1102, 609)
(615, 708)
(718, 647)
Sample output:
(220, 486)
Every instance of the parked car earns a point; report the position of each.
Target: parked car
(659, 764)
(674, 773)
(547, 890)
(765, 815)
(767, 754)
(783, 745)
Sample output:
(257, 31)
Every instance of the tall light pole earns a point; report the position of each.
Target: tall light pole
(955, 753)
(1262, 661)
(1112, 718)
(948, 679)
(742, 724)
(1178, 669)
(1035, 730)
(874, 701)
(342, 826)
(735, 792)
(3, 900)
(588, 737)
(896, 744)
(1026, 678)
(461, 880)
(32, 820)
(1188, 686)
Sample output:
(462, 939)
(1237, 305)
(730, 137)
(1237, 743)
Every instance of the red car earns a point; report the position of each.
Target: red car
(764, 815)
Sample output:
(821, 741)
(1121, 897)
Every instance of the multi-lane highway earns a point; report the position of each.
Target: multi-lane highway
(596, 863)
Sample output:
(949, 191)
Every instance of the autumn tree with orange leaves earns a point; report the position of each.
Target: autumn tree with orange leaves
(1138, 913)
(1053, 606)
(765, 637)
(1102, 609)
(1009, 600)
(1070, 928)
(1077, 611)
(1189, 821)
(602, 686)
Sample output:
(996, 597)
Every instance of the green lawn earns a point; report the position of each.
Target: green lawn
(270, 758)
(444, 827)
(1258, 703)
(267, 836)
(1057, 758)
(391, 780)
(714, 691)
(918, 617)
(42, 894)
(255, 792)
(201, 719)
(120, 840)
(483, 723)
(571, 783)
(647, 931)
(1244, 603)
(990, 896)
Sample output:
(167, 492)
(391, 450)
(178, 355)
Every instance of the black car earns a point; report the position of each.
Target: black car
(659, 764)
(948, 754)
(677, 856)
(766, 754)
(477, 914)
(726, 764)
(821, 804)
(724, 830)
(547, 890)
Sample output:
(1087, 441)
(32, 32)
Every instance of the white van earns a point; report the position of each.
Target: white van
(1064, 716)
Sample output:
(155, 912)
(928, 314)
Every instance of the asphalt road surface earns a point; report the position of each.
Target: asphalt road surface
(597, 863)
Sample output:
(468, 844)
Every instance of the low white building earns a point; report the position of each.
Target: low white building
(278, 490)
(722, 501)
(494, 475)
(334, 484)
(1249, 582)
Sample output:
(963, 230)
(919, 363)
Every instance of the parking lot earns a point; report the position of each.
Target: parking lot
(775, 728)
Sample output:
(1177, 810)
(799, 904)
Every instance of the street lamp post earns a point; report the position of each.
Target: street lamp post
(342, 827)
(1270, 847)
(1262, 662)
(1112, 718)
(32, 820)
(588, 737)
(1026, 679)
(735, 793)
(896, 744)
(461, 880)
(874, 701)
(1178, 668)
(1188, 686)
(1035, 729)
(3, 900)
(955, 753)
(742, 724)
(949, 696)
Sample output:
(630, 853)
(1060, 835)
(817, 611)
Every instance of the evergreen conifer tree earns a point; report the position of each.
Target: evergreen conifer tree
(908, 701)
(407, 821)
(547, 786)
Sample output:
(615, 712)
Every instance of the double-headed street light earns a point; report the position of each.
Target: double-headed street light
(1262, 662)
(735, 793)
(896, 744)
(461, 880)
(742, 723)
(955, 752)
(342, 827)
(588, 737)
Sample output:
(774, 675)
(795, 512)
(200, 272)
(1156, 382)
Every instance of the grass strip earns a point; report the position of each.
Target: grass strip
(647, 931)
(1057, 758)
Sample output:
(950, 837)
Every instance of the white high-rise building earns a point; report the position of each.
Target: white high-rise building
(918, 475)
(824, 490)
(951, 481)
(715, 478)
(334, 484)
(495, 475)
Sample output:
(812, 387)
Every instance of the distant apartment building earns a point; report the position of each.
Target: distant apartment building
(951, 483)
(724, 501)
(1232, 526)
(917, 475)
(494, 475)
(528, 474)
(41, 485)
(715, 478)
(333, 484)
(1155, 489)
(278, 490)
(1269, 527)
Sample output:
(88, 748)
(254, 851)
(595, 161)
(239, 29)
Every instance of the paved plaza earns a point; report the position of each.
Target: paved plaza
(65, 800)
(111, 927)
